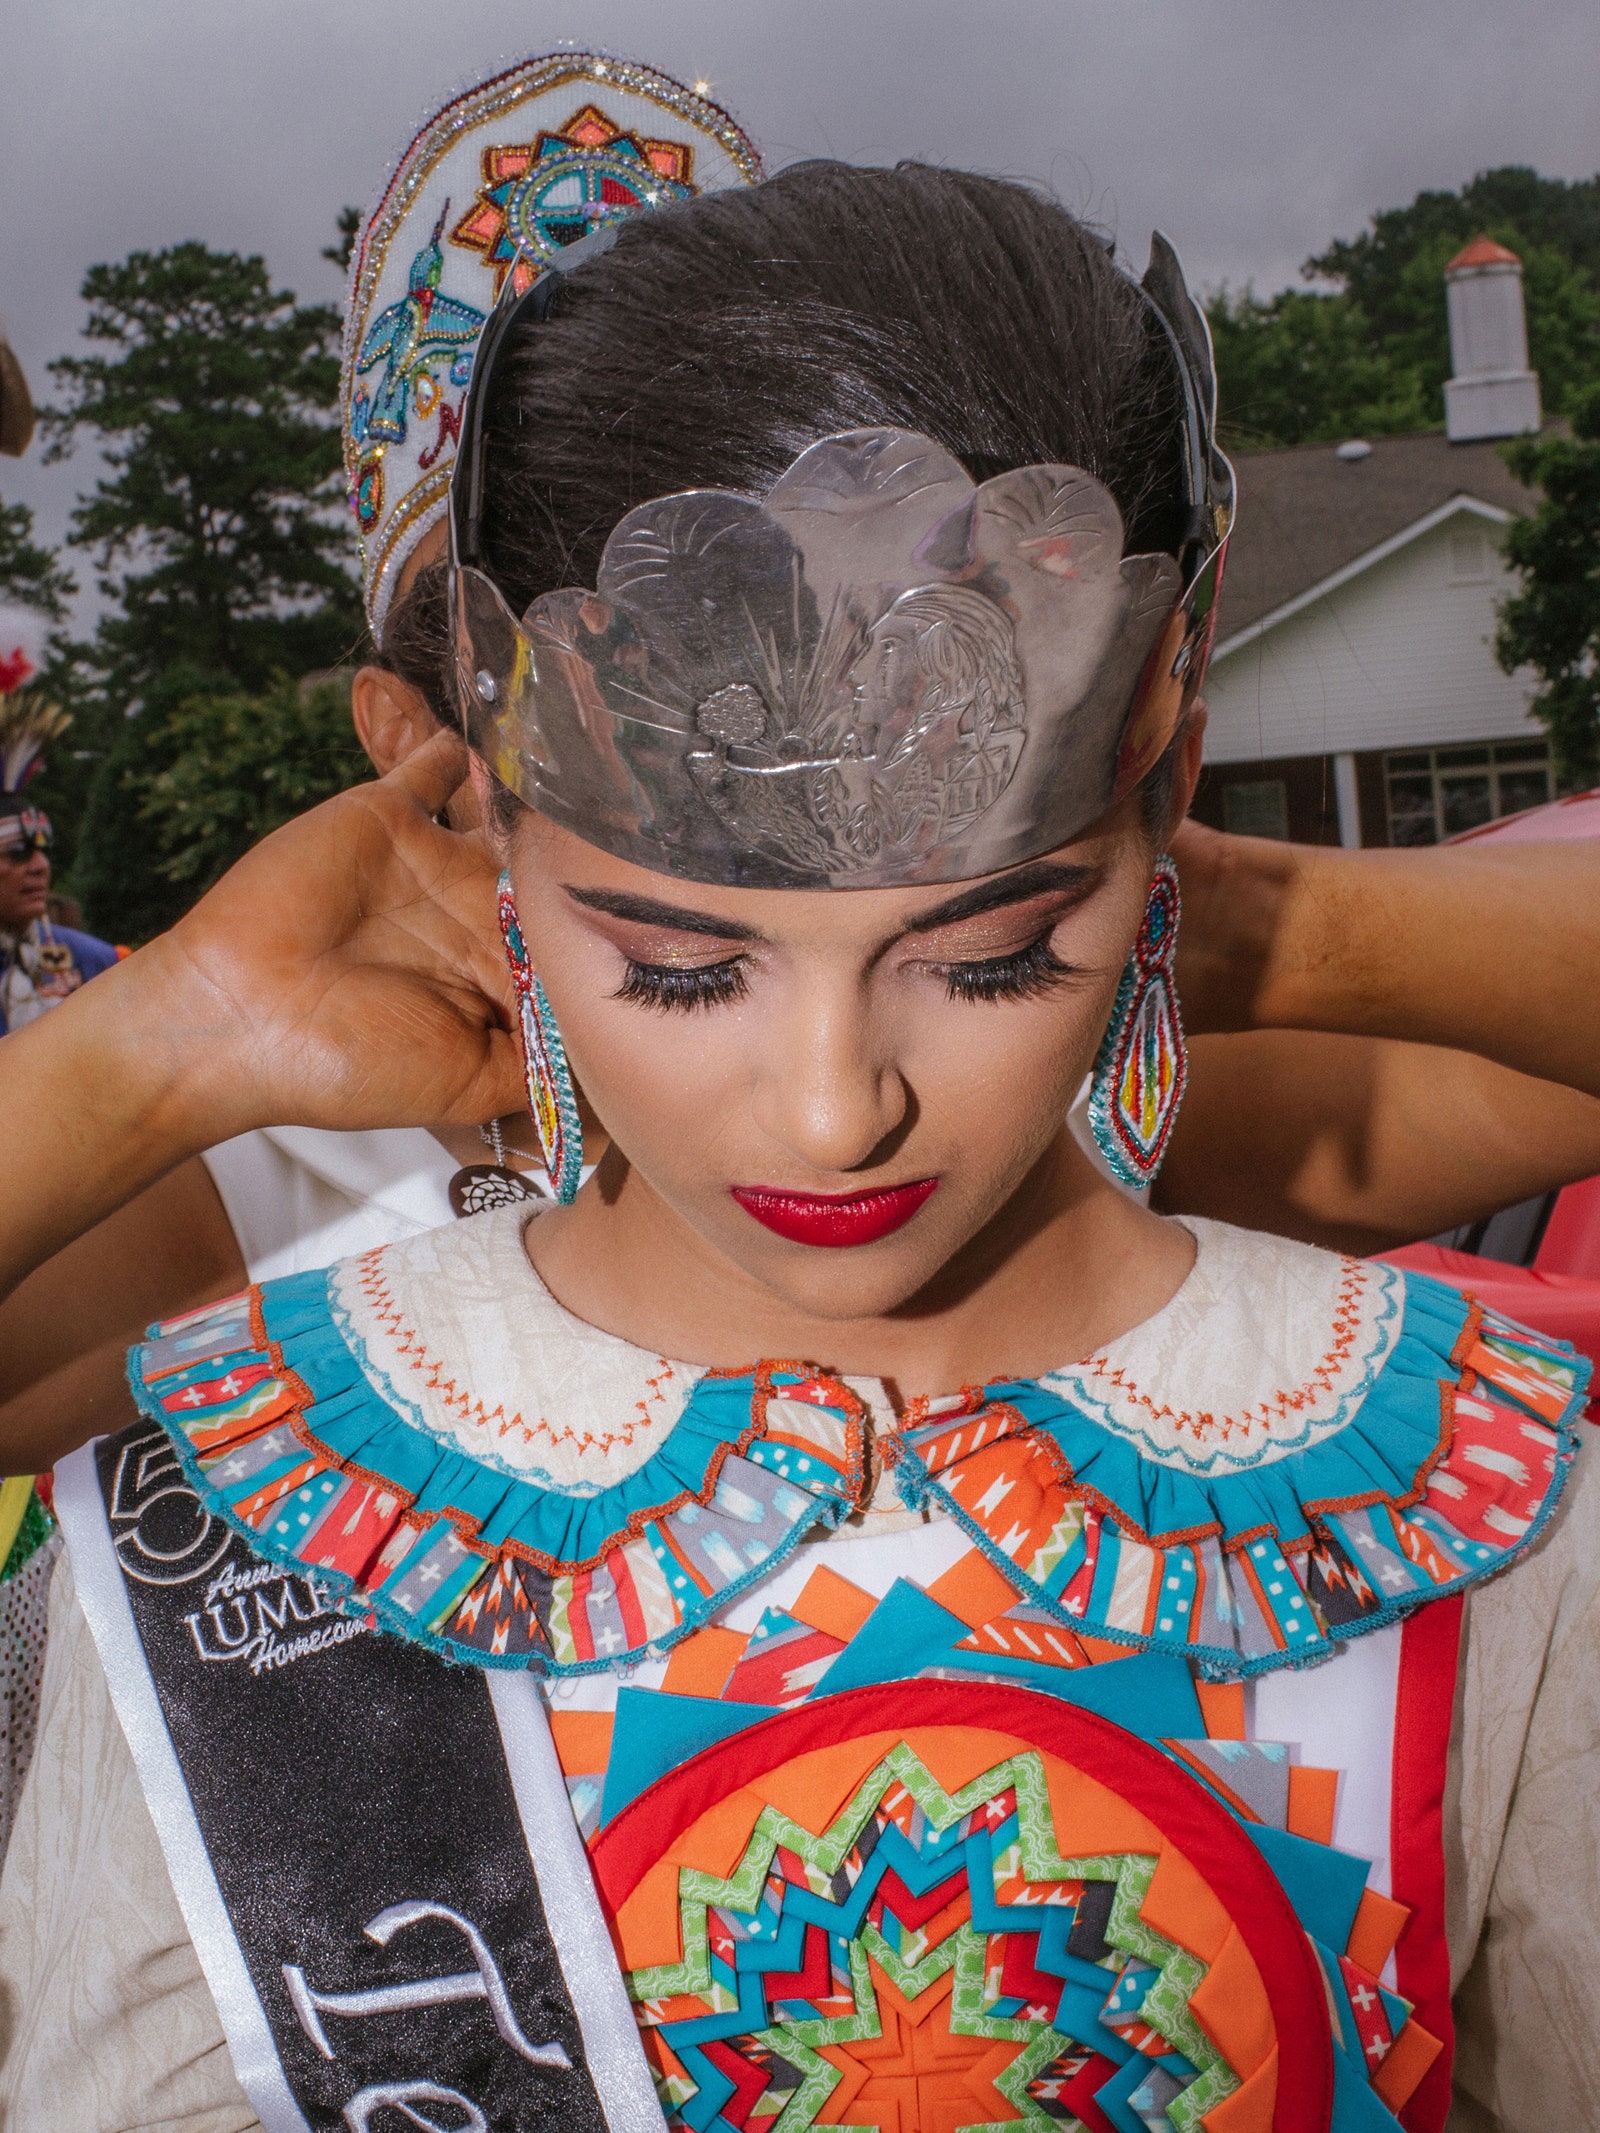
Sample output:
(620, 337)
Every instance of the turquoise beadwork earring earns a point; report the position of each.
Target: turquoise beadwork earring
(1142, 1066)
(551, 1097)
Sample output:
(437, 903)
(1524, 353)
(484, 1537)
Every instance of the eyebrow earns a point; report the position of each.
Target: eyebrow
(645, 911)
(1027, 882)
(1018, 888)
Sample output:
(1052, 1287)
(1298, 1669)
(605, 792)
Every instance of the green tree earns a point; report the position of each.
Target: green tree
(219, 530)
(1371, 353)
(1372, 268)
(1298, 368)
(222, 770)
(1553, 623)
(348, 224)
(31, 575)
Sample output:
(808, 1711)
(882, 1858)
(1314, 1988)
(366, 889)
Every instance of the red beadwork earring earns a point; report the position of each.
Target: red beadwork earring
(551, 1096)
(1142, 1067)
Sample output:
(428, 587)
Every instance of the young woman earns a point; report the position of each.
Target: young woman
(1008, 1656)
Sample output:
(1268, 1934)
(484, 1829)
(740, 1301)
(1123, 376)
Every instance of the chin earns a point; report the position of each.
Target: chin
(864, 1284)
(848, 1283)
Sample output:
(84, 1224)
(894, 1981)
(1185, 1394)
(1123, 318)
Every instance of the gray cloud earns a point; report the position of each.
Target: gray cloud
(1250, 130)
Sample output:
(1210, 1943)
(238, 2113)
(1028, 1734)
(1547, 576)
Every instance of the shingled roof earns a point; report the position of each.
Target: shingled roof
(1304, 513)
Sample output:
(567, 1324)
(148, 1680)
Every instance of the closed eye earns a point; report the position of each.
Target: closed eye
(1025, 974)
(671, 988)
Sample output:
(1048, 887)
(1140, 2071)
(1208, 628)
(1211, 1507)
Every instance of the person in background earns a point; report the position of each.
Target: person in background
(41, 963)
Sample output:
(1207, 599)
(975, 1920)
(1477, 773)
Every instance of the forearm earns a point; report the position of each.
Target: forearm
(85, 1398)
(105, 1094)
(170, 1248)
(1488, 949)
(1360, 1144)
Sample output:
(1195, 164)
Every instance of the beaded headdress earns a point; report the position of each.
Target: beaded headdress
(878, 674)
(493, 188)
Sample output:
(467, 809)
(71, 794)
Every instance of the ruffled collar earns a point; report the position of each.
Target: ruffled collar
(1296, 1449)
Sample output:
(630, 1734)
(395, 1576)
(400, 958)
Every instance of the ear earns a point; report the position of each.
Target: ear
(391, 720)
(1186, 771)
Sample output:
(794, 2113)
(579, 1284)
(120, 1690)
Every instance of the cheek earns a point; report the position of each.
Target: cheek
(992, 1078)
(667, 1087)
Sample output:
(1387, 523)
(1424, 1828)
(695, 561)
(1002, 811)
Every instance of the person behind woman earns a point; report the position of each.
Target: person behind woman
(1000, 1644)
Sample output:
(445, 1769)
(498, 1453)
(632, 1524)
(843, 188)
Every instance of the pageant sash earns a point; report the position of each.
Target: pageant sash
(373, 1852)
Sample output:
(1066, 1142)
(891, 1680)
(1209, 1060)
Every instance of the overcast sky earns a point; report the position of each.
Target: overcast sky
(1252, 131)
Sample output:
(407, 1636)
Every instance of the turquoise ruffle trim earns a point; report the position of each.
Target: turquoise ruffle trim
(559, 1531)
(1382, 1453)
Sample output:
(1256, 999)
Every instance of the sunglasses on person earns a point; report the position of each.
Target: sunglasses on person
(23, 834)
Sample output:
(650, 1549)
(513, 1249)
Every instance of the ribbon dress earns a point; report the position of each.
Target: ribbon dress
(1051, 1778)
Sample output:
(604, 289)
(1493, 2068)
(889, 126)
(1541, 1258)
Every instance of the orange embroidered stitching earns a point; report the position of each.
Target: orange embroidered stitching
(375, 1288)
(1346, 1325)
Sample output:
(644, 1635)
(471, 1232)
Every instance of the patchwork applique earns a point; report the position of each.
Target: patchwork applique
(941, 1908)
(282, 1433)
(1444, 1472)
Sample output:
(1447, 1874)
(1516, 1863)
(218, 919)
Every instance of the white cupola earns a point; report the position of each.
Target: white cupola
(1493, 392)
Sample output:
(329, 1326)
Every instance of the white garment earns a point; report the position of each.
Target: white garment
(299, 1197)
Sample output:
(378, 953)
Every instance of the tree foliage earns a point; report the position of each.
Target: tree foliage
(1297, 368)
(1545, 212)
(1370, 354)
(204, 778)
(1553, 623)
(219, 530)
(31, 575)
(222, 543)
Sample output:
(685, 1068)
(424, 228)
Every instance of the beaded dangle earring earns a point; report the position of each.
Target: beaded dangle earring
(1142, 1067)
(551, 1096)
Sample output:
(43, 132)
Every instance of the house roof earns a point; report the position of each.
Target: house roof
(1305, 514)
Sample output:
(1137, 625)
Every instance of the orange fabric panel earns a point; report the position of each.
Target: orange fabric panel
(813, 1788)
(916, 2076)
(1379, 1924)
(1101, 1649)
(1088, 1818)
(1230, 2003)
(1312, 1794)
(832, 1604)
(701, 1664)
(1222, 1707)
(1249, 2109)
(974, 1590)
(647, 1928)
(957, 1754)
(1181, 1906)
(716, 1843)
(583, 1741)
(1407, 2060)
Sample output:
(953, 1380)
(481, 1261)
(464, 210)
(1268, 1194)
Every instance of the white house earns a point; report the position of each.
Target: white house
(1354, 693)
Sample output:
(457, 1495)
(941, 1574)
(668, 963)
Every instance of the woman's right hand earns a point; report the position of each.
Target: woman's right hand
(346, 973)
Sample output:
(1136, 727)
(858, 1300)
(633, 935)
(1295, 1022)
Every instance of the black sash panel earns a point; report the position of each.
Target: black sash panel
(348, 1799)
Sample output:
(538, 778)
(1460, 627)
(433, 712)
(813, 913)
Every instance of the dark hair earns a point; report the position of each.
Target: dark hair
(722, 335)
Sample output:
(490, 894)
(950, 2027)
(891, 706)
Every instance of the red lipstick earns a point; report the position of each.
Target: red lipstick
(818, 1218)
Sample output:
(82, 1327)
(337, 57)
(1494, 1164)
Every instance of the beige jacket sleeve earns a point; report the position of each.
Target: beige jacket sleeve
(106, 2023)
(1522, 1836)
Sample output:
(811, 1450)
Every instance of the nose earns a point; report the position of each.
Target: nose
(827, 1094)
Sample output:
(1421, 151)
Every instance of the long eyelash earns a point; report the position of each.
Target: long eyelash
(1031, 971)
(656, 985)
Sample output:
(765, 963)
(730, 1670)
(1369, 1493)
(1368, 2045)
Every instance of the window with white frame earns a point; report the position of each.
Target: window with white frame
(1436, 793)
